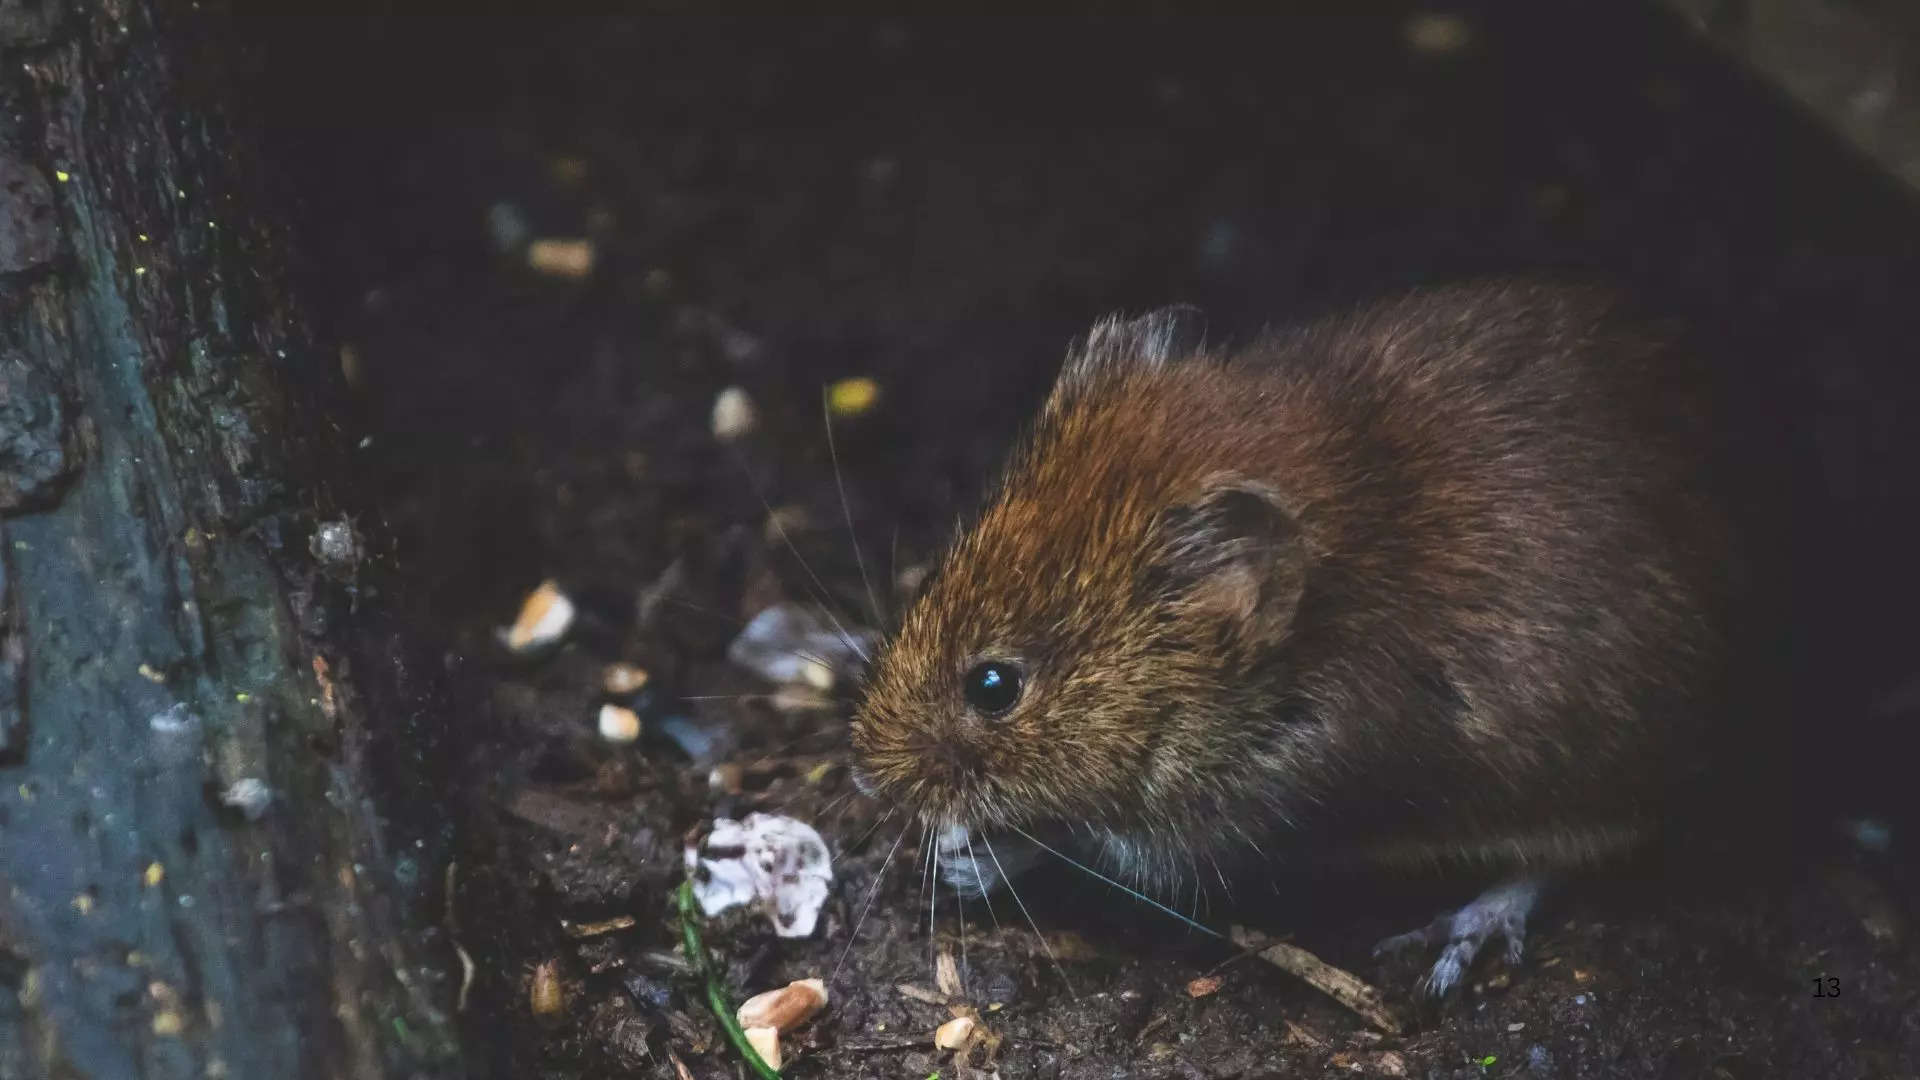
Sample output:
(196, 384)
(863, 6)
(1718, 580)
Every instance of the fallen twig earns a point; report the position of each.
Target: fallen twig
(1340, 985)
(595, 929)
(881, 1046)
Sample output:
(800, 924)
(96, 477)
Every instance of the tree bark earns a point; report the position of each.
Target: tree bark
(193, 882)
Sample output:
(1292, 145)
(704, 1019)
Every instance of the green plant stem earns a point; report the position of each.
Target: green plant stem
(716, 996)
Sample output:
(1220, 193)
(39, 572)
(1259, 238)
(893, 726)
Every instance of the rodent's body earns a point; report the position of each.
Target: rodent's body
(1437, 580)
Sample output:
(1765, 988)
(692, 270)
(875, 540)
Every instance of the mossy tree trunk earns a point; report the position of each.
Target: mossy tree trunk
(194, 716)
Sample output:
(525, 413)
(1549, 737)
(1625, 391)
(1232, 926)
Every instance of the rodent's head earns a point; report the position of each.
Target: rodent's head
(1084, 652)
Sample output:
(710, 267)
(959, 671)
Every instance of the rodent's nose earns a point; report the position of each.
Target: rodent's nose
(958, 760)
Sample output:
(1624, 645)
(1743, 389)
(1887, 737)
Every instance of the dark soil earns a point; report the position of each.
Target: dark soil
(940, 206)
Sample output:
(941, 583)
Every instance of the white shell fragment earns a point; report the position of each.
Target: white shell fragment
(545, 616)
(955, 1034)
(789, 643)
(786, 1008)
(772, 862)
(619, 724)
(765, 1042)
(733, 414)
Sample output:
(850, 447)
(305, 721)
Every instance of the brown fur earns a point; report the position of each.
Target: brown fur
(1435, 580)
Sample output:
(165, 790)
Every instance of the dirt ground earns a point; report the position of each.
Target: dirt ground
(939, 207)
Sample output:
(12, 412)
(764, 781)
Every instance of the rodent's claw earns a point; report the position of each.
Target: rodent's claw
(1502, 911)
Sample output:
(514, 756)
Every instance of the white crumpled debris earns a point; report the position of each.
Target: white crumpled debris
(775, 863)
(788, 643)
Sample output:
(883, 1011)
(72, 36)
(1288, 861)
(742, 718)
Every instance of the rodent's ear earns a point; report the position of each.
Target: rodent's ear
(1233, 552)
(1117, 344)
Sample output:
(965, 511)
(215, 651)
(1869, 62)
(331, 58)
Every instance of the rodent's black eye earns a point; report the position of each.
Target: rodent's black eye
(993, 686)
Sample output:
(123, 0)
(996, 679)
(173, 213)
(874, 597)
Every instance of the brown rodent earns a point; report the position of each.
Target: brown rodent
(1436, 581)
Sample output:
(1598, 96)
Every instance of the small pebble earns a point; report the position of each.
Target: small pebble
(351, 368)
(545, 616)
(619, 724)
(1205, 985)
(852, 397)
(623, 679)
(570, 258)
(1437, 33)
(733, 414)
(817, 675)
(545, 994)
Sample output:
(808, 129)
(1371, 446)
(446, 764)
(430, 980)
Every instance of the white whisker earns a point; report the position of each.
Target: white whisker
(982, 879)
(933, 899)
(872, 891)
(1022, 905)
(893, 573)
(1135, 893)
(742, 625)
(926, 849)
(960, 902)
(875, 827)
(873, 601)
(820, 590)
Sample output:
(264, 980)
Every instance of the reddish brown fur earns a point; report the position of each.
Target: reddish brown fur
(1454, 592)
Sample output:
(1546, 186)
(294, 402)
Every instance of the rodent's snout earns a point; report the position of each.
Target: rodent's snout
(922, 760)
(938, 778)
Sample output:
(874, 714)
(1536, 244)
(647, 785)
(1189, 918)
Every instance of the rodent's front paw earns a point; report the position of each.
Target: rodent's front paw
(1502, 911)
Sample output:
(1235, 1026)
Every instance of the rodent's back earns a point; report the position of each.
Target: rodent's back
(1434, 578)
(1520, 535)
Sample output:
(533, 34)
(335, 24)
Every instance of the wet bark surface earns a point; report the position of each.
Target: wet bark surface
(193, 882)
